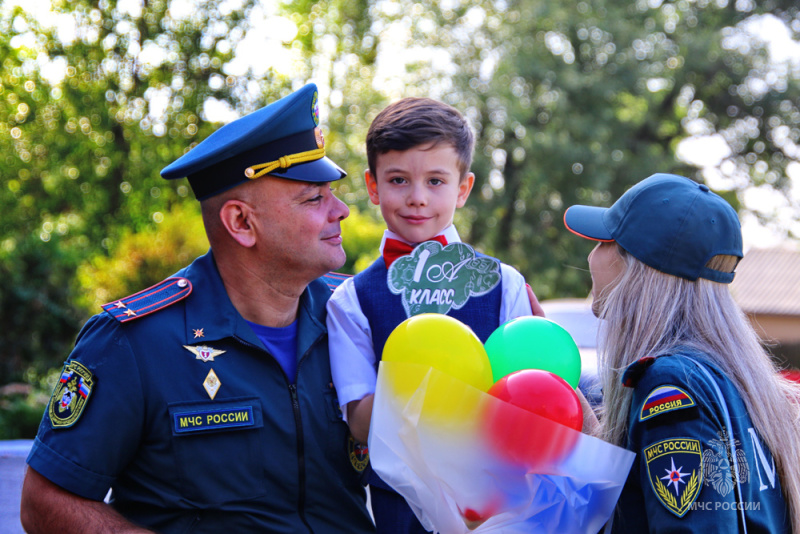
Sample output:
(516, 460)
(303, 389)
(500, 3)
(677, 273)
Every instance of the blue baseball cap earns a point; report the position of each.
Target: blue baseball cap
(671, 223)
(281, 139)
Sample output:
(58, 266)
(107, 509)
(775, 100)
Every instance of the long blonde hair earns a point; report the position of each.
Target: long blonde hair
(649, 313)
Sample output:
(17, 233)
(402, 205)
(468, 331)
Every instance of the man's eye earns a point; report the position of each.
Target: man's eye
(315, 199)
(397, 180)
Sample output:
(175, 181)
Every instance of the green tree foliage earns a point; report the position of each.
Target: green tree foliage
(140, 259)
(92, 106)
(339, 46)
(575, 103)
(362, 235)
(82, 147)
(572, 103)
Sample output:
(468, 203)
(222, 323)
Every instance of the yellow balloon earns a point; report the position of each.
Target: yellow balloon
(432, 340)
(428, 396)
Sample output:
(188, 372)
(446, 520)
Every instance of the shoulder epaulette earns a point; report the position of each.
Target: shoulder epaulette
(636, 370)
(334, 280)
(150, 300)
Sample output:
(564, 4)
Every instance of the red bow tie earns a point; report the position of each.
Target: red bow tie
(393, 248)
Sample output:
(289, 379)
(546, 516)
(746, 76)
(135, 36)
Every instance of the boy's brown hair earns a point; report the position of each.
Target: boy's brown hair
(412, 122)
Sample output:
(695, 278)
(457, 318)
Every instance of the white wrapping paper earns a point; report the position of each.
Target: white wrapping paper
(430, 442)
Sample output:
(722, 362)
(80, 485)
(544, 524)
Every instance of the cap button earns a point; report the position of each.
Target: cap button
(704, 188)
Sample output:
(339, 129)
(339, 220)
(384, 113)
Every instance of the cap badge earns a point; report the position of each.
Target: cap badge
(319, 138)
(204, 352)
(315, 108)
(211, 384)
(198, 332)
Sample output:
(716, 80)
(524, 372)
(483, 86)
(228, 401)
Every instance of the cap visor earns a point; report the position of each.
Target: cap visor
(587, 222)
(320, 170)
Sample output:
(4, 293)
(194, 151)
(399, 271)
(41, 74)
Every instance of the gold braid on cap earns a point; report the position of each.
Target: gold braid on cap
(283, 163)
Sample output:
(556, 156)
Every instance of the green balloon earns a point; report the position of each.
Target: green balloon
(533, 343)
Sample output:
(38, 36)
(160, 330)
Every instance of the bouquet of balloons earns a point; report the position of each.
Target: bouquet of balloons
(487, 438)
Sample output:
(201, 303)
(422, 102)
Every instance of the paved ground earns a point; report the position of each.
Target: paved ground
(12, 468)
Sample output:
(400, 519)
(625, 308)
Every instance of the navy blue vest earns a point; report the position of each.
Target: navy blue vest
(384, 310)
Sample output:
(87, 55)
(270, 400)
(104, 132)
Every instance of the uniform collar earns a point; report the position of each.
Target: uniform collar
(211, 316)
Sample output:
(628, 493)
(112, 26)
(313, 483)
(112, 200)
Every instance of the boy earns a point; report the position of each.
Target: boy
(419, 153)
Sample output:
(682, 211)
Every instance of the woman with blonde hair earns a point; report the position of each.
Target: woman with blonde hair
(687, 385)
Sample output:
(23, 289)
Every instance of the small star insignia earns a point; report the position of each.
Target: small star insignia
(130, 312)
(198, 332)
(120, 304)
(204, 352)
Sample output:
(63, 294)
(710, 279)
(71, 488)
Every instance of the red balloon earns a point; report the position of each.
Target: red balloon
(535, 442)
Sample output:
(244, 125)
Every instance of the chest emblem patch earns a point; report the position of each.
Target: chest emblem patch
(675, 471)
(70, 395)
(436, 279)
(204, 352)
(665, 399)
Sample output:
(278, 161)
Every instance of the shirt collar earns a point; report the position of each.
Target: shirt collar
(209, 293)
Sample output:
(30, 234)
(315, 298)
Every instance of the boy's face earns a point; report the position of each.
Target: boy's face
(418, 190)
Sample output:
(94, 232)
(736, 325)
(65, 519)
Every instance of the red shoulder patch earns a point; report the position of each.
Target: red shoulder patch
(149, 300)
(634, 372)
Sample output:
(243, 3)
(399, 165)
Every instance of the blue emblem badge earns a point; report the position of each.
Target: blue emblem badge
(675, 471)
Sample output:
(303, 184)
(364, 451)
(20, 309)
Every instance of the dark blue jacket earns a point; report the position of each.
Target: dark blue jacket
(701, 466)
(262, 455)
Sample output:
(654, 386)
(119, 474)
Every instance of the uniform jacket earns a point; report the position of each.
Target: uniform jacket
(262, 455)
(701, 466)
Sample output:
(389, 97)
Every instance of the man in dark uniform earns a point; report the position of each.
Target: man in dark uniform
(205, 403)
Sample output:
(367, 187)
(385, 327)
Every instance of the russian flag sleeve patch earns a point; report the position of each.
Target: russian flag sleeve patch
(70, 395)
(665, 399)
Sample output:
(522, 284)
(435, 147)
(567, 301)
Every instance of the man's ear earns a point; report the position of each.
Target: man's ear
(372, 187)
(237, 216)
(464, 189)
